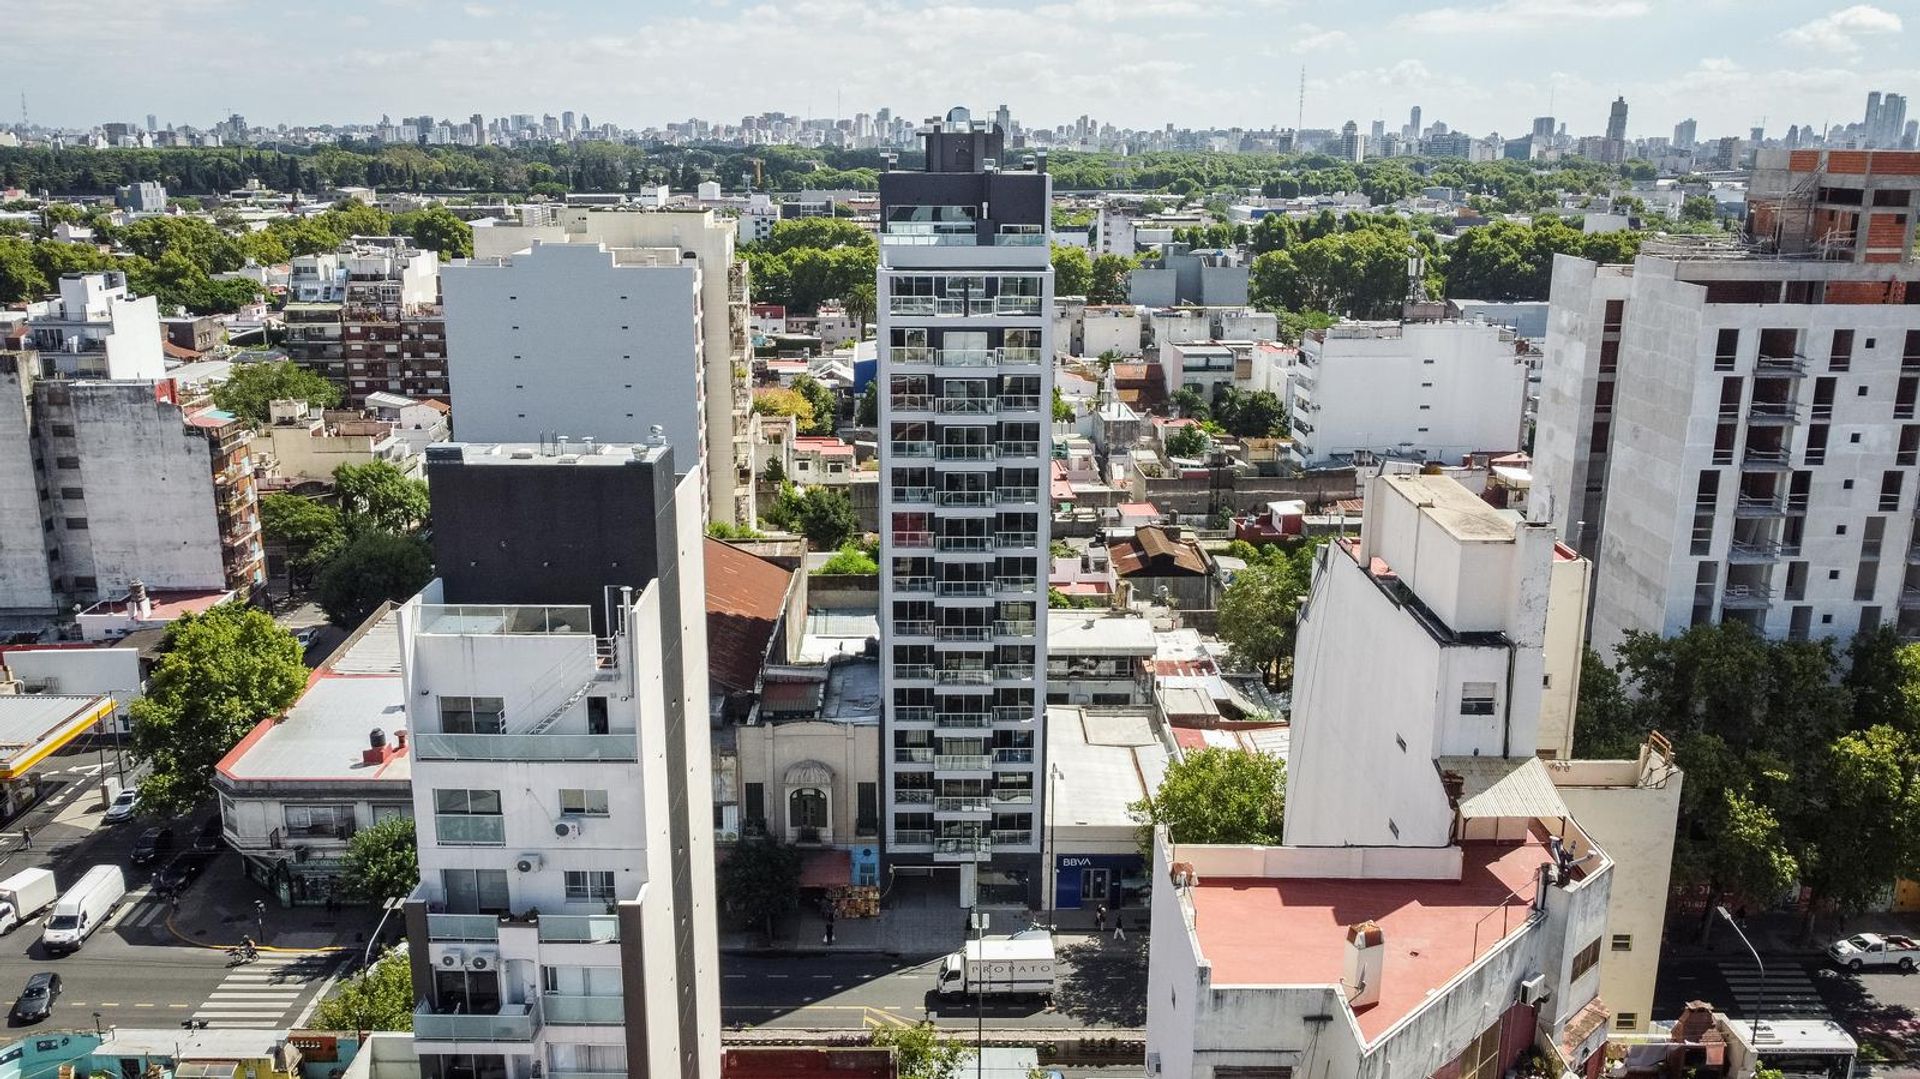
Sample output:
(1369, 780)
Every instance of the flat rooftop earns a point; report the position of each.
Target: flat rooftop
(321, 738)
(1106, 763)
(33, 725)
(1465, 515)
(168, 603)
(1092, 633)
(1293, 931)
(569, 452)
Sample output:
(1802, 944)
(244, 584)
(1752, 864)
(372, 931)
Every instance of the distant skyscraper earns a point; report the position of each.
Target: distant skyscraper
(1893, 120)
(1615, 146)
(153, 124)
(1543, 127)
(1757, 136)
(1685, 133)
(1378, 130)
(1352, 147)
(1413, 124)
(1004, 117)
(566, 121)
(1872, 123)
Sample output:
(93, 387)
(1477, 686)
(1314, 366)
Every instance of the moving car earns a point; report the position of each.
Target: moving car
(180, 871)
(125, 804)
(36, 999)
(83, 909)
(207, 839)
(1863, 950)
(152, 843)
(1016, 966)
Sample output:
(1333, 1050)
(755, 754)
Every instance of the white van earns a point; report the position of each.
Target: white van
(83, 909)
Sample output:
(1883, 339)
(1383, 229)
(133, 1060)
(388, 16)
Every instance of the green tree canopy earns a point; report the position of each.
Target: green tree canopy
(922, 1052)
(218, 674)
(381, 862)
(378, 998)
(821, 401)
(1257, 612)
(1360, 274)
(849, 560)
(785, 402)
(375, 566)
(251, 386)
(379, 495)
(822, 514)
(1250, 413)
(867, 413)
(1217, 795)
(310, 532)
(436, 228)
(1188, 441)
(1107, 279)
(759, 881)
(1072, 271)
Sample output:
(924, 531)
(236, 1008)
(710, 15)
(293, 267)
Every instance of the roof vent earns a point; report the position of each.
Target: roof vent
(657, 435)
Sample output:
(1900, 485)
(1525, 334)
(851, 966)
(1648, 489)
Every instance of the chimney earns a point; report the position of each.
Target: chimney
(138, 599)
(376, 751)
(1366, 960)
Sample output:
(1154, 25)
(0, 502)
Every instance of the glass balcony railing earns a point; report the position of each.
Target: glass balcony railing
(912, 672)
(965, 357)
(583, 1011)
(912, 496)
(1012, 837)
(1017, 305)
(459, 619)
(980, 845)
(469, 830)
(1019, 449)
(966, 406)
(526, 747)
(1013, 756)
(1005, 797)
(915, 837)
(913, 540)
(467, 927)
(971, 804)
(913, 796)
(1019, 402)
(966, 453)
(1018, 496)
(1020, 239)
(912, 449)
(1023, 357)
(910, 354)
(964, 678)
(964, 721)
(965, 543)
(961, 633)
(913, 754)
(910, 402)
(1012, 713)
(916, 627)
(913, 713)
(962, 762)
(513, 1023)
(579, 928)
(913, 584)
(1014, 627)
(966, 498)
(1013, 672)
(1015, 540)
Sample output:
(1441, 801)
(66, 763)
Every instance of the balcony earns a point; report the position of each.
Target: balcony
(474, 620)
(1020, 357)
(469, 830)
(1020, 239)
(472, 928)
(966, 406)
(1027, 448)
(1013, 756)
(961, 721)
(1013, 797)
(1012, 713)
(1765, 460)
(1909, 598)
(1749, 506)
(911, 449)
(1747, 597)
(913, 585)
(1012, 837)
(967, 634)
(967, 499)
(1792, 366)
(965, 357)
(910, 402)
(912, 672)
(971, 804)
(913, 796)
(1016, 541)
(915, 627)
(1771, 413)
(963, 847)
(910, 354)
(913, 496)
(579, 928)
(962, 762)
(1013, 672)
(913, 713)
(964, 677)
(965, 544)
(915, 837)
(513, 1023)
(526, 747)
(966, 453)
(559, 1008)
(1016, 496)
(1019, 402)
(1015, 627)
(1016, 305)
(1753, 551)
(965, 589)
(913, 754)
(1016, 586)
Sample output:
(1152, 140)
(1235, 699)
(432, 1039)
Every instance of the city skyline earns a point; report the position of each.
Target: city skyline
(1140, 65)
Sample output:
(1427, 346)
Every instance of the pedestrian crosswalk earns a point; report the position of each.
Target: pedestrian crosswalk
(264, 992)
(1786, 990)
(141, 909)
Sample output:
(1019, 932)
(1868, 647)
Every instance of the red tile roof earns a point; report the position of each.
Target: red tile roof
(746, 595)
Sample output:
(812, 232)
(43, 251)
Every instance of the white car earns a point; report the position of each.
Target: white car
(123, 807)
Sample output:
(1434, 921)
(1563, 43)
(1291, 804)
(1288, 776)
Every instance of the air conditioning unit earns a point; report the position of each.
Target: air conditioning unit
(449, 958)
(528, 863)
(566, 828)
(483, 960)
(1534, 990)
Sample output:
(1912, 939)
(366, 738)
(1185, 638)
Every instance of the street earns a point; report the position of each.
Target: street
(1878, 1007)
(1102, 983)
(138, 970)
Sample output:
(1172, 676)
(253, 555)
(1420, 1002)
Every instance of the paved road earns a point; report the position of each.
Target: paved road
(1883, 1005)
(1102, 984)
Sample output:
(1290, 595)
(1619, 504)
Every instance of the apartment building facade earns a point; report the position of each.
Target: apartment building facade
(1732, 435)
(367, 317)
(565, 920)
(965, 296)
(97, 328)
(1436, 390)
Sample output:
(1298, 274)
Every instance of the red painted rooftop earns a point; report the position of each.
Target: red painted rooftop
(1267, 931)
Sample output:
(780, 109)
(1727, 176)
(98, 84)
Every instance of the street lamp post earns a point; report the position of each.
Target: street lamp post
(1050, 872)
(1760, 1003)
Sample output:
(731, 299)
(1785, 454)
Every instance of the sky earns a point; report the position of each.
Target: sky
(1478, 65)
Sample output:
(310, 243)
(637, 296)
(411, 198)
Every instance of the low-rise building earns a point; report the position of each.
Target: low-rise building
(1099, 765)
(1099, 658)
(1163, 566)
(301, 443)
(97, 328)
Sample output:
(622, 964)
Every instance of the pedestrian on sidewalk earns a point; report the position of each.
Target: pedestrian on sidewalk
(1119, 931)
(1100, 919)
(828, 939)
(26, 837)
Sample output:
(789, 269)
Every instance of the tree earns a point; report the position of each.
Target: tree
(310, 532)
(374, 567)
(824, 516)
(822, 403)
(1062, 409)
(247, 390)
(1191, 403)
(1604, 724)
(381, 862)
(379, 495)
(760, 881)
(1188, 441)
(1107, 279)
(1360, 274)
(438, 229)
(921, 1052)
(1072, 271)
(378, 998)
(867, 413)
(1250, 414)
(1699, 208)
(1257, 612)
(850, 560)
(859, 301)
(1217, 796)
(783, 402)
(20, 277)
(219, 673)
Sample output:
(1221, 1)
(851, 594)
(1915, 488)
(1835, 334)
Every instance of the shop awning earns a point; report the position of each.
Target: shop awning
(826, 869)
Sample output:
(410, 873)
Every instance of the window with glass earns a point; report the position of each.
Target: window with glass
(807, 808)
(583, 803)
(319, 821)
(473, 715)
(475, 891)
(589, 885)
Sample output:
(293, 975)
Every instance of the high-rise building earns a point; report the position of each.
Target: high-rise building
(556, 688)
(1615, 146)
(603, 326)
(153, 123)
(1893, 121)
(1685, 133)
(1870, 126)
(1413, 123)
(1351, 146)
(1543, 128)
(1771, 404)
(965, 302)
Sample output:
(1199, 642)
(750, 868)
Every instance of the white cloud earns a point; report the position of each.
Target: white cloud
(1313, 39)
(1841, 31)
(480, 11)
(1511, 16)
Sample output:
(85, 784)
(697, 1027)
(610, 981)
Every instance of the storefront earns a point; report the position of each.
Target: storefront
(1090, 880)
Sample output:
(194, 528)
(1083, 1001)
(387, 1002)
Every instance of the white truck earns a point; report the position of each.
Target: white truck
(1016, 966)
(83, 909)
(1863, 950)
(24, 895)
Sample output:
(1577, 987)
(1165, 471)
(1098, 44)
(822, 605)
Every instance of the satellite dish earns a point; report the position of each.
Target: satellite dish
(959, 115)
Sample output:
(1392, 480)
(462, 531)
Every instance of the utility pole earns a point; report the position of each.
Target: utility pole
(1300, 116)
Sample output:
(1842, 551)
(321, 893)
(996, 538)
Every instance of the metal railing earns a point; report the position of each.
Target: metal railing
(1022, 448)
(914, 627)
(1013, 837)
(912, 672)
(913, 495)
(1013, 672)
(975, 499)
(1747, 595)
(971, 804)
(962, 762)
(980, 845)
(967, 406)
(910, 402)
(1749, 506)
(469, 620)
(1019, 402)
(1014, 627)
(964, 543)
(472, 928)
(966, 453)
(913, 539)
(913, 796)
(513, 1023)
(964, 588)
(1024, 357)
(913, 584)
(1012, 713)
(1012, 797)
(1017, 496)
(964, 677)
(962, 633)
(579, 928)
(914, 713)
(965, 357)
(962, 721)
(1753, 551)
(1764, 458)
(1013, 756)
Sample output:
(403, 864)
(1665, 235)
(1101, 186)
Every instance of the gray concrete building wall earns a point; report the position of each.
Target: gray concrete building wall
(26, 587)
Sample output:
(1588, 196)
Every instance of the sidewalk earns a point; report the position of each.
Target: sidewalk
(896, 931)
(218, 910)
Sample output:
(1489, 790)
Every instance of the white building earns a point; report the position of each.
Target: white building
(1435, 389)
(602, 326)
(965, 297)
(565, 919)
(98, 328)
(1735, 439)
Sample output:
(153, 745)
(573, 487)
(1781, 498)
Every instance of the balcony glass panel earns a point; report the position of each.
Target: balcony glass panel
(581, 1010)
(579, 928)
(516, 747)
(469, 830)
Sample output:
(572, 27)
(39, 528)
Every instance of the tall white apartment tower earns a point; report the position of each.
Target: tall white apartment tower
(555, 693)
(1731, 434)
(965, 300)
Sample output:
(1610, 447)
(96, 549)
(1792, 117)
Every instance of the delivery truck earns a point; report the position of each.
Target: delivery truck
(83, 909)
(1016, 966)
(24, 895)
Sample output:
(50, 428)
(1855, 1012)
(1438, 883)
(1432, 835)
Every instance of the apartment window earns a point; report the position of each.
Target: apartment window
(1890, 489)
(1476, 698)
(463, 802)
(475, 891)
(76, 524)
(1616, 313)
(85, 584)
(1626, 1021)
(1909, 454)
(1841, 357)
(1816, 451)
(867, 804)
(1585, 960)
(68, 463)
(576, 802)
(1623, 942)
(1726, 350)
(77, 493)
(320, 821)
(1864, 579)
(468, 818)
(1482, 1057)
(589, 885)
(473, 715)
(1609, 356)
(1903, 396)
(754, 808)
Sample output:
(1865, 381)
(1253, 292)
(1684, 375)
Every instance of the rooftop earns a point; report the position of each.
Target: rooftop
(1093, 633)
(562, 451)
(1106, 763)
(1152, 551)
(168, 604)
(1293, 931)
(323, 736)
(746, 596)
(1465, 515)
(34, 725)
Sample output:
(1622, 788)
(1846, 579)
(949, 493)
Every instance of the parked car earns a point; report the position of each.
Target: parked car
(207, 839)
(1864, 950)
(152, 843)
(36, 1000)
(125, 805)
(179, 871)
